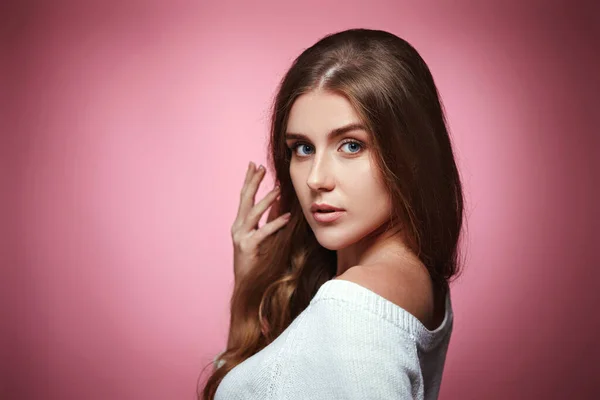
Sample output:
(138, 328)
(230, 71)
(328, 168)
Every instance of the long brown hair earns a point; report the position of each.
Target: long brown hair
(393, 92)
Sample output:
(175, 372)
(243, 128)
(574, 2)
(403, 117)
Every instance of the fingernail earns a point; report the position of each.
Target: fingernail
(287, 215)
(277, 188)
(261, 167)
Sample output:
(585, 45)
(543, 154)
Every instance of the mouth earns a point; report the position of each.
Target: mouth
(323, 207)
(326, 216)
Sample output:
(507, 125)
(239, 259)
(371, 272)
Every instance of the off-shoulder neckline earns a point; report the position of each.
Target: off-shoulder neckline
(358, 295)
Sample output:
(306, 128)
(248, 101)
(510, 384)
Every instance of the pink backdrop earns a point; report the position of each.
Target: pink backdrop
(126, 130)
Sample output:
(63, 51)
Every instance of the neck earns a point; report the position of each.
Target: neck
(381, 245)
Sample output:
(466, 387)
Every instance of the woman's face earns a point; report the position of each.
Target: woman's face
(335, 169)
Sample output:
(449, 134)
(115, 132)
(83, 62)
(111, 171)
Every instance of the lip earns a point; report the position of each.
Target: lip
(327, 217)
(323, 206)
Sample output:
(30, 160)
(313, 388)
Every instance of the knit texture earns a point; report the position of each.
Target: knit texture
(349, 343)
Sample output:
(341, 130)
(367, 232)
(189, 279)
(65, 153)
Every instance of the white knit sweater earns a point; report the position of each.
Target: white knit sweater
(349, 343)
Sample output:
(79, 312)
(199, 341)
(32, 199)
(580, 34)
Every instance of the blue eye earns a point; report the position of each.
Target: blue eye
(356, 145)
(297, 145)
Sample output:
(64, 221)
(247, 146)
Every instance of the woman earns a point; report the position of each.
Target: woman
(346, 294)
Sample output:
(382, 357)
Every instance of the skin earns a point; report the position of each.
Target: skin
(331, 169)
(340, 171)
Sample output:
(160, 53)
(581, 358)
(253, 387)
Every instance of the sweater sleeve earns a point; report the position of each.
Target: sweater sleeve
(342, 350)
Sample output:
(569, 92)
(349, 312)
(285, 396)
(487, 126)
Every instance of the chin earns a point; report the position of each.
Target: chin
(332, 240)
(331, 246)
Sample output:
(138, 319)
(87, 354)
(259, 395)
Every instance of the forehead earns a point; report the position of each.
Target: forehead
(318, 112)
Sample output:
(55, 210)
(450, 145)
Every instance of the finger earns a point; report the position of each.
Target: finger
(254, 216)
(249, 194)
(249, 172)
(271, 227)
(243, 207)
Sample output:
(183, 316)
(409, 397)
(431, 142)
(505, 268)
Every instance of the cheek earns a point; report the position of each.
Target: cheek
(369, 193)
(294, 177)
(296, 182)
(363, 180)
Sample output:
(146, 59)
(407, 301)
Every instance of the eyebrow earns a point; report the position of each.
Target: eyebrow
(333, 134)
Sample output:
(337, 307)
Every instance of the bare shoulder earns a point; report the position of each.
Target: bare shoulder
(409, 288)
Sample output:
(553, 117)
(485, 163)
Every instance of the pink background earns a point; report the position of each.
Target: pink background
(126, 130)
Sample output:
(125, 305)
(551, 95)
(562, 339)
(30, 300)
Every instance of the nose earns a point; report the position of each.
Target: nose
(320, 177)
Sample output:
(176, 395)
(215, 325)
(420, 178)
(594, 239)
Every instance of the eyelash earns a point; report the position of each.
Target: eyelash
(295, 145)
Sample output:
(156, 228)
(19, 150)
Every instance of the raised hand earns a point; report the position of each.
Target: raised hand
(245, 232)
